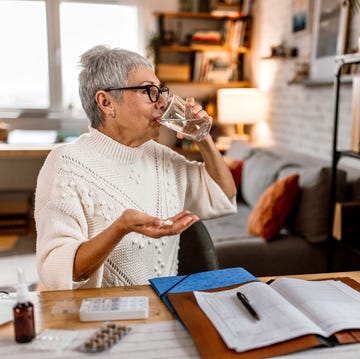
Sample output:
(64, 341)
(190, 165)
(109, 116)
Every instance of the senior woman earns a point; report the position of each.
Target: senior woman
(102, 202)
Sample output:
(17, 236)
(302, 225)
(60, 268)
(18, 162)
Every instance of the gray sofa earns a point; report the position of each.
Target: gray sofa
(301, 246)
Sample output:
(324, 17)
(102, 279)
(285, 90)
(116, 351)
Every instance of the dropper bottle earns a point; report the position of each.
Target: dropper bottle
(24, 323)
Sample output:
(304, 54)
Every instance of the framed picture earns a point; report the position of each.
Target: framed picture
(329, 36)
(300, 16)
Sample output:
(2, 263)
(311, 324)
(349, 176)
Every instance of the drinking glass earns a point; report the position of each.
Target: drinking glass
(179, 117)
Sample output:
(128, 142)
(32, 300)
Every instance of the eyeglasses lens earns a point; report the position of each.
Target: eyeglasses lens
(154, 92)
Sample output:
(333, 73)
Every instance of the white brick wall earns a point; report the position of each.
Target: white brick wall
(300, 117)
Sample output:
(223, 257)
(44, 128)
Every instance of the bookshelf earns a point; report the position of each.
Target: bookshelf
(202, 48)
(351, 245)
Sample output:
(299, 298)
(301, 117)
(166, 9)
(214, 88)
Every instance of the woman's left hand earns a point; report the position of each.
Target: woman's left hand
(154, 227)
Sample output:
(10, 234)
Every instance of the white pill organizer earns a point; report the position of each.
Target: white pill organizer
(114, 308)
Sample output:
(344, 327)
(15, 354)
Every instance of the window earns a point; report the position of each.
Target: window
(24, 60)
(119, 30)
(46, 38)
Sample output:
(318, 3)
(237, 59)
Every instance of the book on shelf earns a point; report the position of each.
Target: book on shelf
(207, 37)
(355, 115)
(293, 314)
(246, 7)
(215, 67)
(233, 9)
(226, 10)
(237, 34)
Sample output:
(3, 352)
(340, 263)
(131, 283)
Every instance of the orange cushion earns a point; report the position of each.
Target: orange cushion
(235, 166)
(274, 207)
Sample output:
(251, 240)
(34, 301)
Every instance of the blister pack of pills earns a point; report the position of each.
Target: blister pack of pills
(104, 338)
(54, 340)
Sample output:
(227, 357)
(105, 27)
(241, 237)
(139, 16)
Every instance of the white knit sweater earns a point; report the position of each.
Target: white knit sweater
(84, 186)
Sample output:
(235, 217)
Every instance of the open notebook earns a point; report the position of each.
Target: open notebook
(294, 315)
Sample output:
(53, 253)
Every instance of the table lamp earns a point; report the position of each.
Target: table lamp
(240, 106)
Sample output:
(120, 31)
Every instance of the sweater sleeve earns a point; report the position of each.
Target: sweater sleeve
(202, 195)
(61, 228)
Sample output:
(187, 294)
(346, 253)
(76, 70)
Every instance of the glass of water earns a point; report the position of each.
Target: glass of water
(179, 117)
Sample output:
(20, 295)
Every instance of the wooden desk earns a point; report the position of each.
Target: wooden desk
(25, 151)
(59, 309)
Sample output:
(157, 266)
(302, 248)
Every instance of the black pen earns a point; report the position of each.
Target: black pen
(247, 305)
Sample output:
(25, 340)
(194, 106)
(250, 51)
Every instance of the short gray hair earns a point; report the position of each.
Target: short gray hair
(103, 67)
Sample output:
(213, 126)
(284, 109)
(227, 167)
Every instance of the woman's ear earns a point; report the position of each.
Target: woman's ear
(105, 103)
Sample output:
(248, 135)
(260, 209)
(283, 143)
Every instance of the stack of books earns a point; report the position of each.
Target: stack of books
(215, 67)
(223, 9)
(233, 8)
(207, 37)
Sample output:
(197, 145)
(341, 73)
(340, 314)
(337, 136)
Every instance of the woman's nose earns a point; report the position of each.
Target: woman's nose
(161, 102)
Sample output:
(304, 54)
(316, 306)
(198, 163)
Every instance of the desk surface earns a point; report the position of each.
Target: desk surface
(25, 151)
(60, 309)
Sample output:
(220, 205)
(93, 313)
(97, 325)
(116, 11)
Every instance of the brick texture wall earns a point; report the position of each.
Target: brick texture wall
(299, 117)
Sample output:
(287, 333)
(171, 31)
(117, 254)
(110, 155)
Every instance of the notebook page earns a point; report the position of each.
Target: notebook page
(333, 305)
(279, 320)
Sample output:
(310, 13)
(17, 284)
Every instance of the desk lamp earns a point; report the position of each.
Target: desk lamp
(240, 106)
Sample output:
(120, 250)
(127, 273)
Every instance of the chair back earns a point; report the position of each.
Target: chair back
(197, 252)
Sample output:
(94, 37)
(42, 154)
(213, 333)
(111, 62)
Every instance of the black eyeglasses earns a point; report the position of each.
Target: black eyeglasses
(152, 91)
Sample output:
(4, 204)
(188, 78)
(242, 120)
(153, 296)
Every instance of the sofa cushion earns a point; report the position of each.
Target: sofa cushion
(259, 172)
(310, 218)
(239, 150)
(235, 166)
(289, 254)
(231, 226)
(274, 207)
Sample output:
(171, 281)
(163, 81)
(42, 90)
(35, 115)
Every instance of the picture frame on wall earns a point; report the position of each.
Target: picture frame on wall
(300, 17)
(329, 37)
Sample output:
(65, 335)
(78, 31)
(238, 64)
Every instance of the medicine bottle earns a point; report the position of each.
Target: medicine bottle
(24, 323)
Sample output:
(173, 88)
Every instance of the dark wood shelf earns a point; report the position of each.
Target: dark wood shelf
(348, 153)
(212, 84)
(279, 57)
(203, 48)
(199, 15)
(348, 59)
(345, 79)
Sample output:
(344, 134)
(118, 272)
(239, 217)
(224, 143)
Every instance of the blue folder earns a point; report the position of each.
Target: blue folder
(199, 281)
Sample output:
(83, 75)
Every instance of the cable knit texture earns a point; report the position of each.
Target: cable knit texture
(85, 185)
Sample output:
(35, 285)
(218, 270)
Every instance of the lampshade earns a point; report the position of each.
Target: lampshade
(240, 105)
